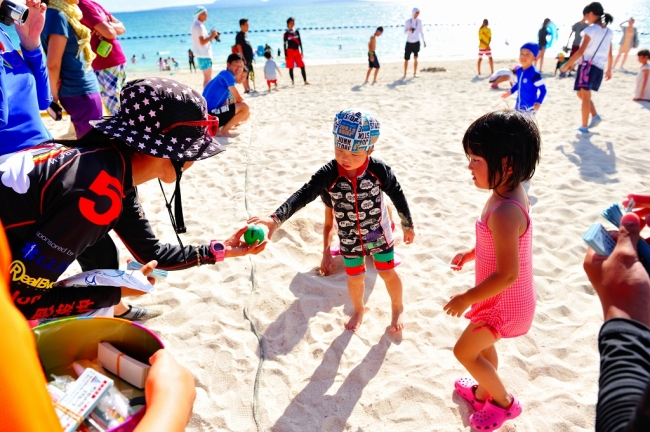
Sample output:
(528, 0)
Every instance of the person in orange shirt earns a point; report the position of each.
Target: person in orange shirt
(25, 404)
(484, 39)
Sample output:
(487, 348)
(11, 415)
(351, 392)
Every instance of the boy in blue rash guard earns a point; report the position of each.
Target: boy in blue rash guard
(530, 87)
(24, 85)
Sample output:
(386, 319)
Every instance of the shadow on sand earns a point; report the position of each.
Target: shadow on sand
(314, 294)
(314, 410)
(595, 165)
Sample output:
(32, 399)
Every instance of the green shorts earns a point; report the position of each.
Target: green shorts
(356, 265)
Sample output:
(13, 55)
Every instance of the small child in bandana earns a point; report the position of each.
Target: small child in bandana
(354, 182)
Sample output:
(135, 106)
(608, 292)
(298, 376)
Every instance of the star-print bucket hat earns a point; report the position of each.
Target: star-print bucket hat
(163, 118)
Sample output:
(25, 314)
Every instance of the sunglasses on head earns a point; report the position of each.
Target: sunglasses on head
(211, 124)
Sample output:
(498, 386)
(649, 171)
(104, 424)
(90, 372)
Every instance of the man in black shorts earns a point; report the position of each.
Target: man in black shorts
(246, 51)
(413, 30)
(223, 98)
(373, 61)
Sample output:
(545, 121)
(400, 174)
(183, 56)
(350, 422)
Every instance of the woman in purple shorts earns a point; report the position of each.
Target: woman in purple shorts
(66, 43)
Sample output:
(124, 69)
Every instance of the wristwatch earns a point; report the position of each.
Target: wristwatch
(218, 250)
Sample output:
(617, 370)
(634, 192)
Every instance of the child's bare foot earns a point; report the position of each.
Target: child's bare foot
(355, 321)
(306, 83)
(397, 321)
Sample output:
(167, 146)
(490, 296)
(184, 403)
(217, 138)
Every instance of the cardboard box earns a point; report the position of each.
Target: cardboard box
(129, 369)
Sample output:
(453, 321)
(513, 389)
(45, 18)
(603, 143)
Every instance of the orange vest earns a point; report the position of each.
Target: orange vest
(25, 404)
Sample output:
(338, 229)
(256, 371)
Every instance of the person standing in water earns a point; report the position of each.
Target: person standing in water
(293, 50)
(414, 31)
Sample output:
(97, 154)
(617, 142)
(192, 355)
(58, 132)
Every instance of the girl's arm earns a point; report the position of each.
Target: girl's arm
(505, 223)
(56, 46)
(326, 261)
(608, 73)
(577, 54)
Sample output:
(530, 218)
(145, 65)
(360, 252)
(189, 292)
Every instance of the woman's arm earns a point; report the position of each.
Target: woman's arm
(117, 25)
(56, 46)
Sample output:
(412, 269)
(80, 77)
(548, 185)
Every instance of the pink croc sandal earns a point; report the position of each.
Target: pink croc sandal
(466, 387)
(492, 417)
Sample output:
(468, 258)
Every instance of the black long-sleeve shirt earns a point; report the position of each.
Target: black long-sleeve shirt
(359, 208)
(54, 202)
(624, 383)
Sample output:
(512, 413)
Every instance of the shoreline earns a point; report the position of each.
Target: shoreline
(383, 61)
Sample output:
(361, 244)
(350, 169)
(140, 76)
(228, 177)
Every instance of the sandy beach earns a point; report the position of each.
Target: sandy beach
(316, 376)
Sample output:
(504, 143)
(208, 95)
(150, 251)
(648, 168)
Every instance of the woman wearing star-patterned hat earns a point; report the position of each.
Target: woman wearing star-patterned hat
(66, 196)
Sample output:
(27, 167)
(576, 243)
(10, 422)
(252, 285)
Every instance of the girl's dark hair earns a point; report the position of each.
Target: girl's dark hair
(643, 53)
(546, 22)
(95, 139)
(597, 9)
(505, 139)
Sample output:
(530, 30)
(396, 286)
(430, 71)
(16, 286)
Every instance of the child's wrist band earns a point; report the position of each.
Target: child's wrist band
(276, 220)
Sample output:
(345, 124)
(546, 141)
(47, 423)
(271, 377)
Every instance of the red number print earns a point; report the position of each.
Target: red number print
(101, 186)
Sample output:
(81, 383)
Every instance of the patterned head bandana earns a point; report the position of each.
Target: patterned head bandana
(355, 130)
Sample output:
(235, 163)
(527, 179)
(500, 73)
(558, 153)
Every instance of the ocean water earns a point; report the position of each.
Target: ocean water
(450, 29)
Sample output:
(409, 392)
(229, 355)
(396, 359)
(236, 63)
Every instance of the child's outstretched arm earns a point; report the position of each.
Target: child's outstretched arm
(323, 178)
(328, 225)
(463, 258)
(391, 186)
(505, 223)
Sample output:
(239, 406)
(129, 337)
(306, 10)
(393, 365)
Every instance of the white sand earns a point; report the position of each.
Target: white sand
(318, 377)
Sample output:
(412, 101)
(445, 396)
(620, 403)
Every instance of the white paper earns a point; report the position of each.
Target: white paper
(104, 277)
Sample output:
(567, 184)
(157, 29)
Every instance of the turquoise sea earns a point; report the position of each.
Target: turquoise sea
(450, 28)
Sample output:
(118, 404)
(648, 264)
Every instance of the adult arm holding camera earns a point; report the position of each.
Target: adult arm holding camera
(623, 287)
(24, 88)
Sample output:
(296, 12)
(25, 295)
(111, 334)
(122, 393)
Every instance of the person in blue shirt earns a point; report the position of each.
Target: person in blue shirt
(530, 87)
(73, 83)
(223, 98)
(24, 88)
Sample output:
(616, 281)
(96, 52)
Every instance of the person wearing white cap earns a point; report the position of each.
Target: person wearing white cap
(413, 30)
(201, 43)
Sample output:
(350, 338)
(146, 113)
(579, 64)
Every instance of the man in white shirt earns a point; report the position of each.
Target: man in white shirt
(413, 30)
(201, 43)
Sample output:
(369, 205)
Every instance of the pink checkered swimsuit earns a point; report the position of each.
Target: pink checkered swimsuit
(509, 313)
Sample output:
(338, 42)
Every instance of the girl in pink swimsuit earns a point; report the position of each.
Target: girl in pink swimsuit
(503, 148)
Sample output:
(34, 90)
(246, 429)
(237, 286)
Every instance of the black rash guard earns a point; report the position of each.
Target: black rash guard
(54, 202)
(360, 211)
(292, 40)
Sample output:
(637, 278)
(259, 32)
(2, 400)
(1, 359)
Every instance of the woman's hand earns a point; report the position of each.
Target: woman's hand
(456, 305)
(236, 247)
(30, 33)
(460, 259)
(641, 207)
(266, 221)
(506, 94)
(170, 392)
